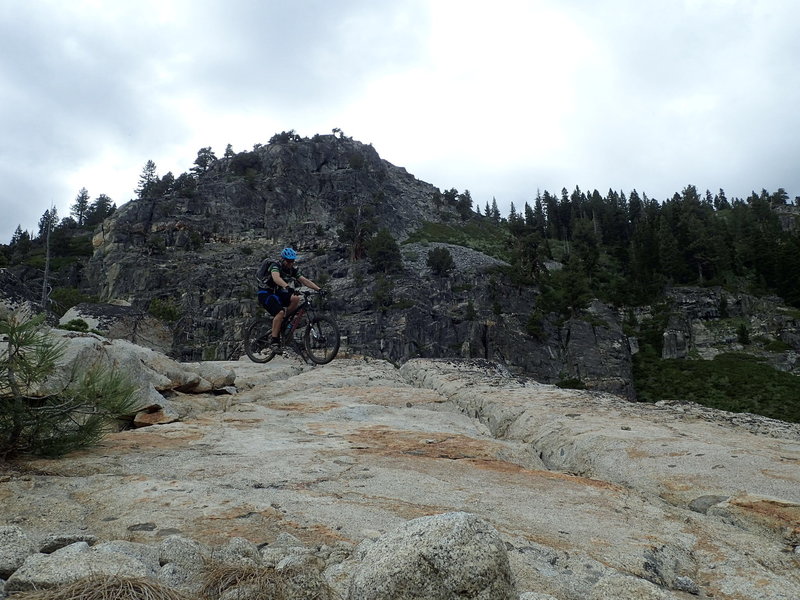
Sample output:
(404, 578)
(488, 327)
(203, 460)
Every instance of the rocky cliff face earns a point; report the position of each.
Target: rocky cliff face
(194, 252)
(705, 322)
(539, 492)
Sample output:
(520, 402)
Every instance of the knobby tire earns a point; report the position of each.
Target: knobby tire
(321, 340)
(256, 341)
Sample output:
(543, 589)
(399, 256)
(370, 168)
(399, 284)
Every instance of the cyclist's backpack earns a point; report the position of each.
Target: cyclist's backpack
(262, 274)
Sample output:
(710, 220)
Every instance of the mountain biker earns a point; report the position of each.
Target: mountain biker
(274, 293)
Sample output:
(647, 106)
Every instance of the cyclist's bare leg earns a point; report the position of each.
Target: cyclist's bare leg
(293, 304)
(276, 323)
(277, 320)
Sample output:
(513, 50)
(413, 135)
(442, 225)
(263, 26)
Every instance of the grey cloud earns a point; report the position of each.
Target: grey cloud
(73, 84)
(297, 54)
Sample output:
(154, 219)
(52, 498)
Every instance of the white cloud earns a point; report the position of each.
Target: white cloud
(500, 98)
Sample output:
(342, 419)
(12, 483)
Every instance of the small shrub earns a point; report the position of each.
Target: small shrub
(777, 346)
(166, 310)
(440, 261)
(402, 304)
(245, 164)
(155, 244)
(384, 253)
(743, 335)
(533, 327)
(76, 325)
(571, 383)
(471, 313)
(64, 298)
(382, 294)
(357, 161)
(196, 240)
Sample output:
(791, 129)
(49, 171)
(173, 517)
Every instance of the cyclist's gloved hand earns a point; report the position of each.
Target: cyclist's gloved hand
(322, 292)
(290, 290)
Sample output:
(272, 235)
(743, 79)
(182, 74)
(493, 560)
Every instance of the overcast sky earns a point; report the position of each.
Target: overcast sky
(499, 98)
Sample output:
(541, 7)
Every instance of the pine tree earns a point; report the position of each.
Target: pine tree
(464, 205)
(17, 235)
(147, 181)
(52, 424)
(81, 206)
(359, 221)
(205, 158)
(47, 222)
(495, 211)
(384, 253)
(100, 209)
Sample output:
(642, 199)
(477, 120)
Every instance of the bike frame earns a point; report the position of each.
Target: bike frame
(294, 321)
(304, 317)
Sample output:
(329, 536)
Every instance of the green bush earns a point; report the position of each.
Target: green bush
(382, 294)
(356, 161)
(402, 304)
(482, 236)
(64, 298)
(52, 424)
(440, 261)
(732, 382)
(777, 346)
(743, 335)
(533, 327)
(246, 164)
(76, 325)
(384, 253)
(164, 309)
(571, 383)
(471, 314)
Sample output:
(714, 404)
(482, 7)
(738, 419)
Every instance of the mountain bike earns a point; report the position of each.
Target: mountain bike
(320, 339)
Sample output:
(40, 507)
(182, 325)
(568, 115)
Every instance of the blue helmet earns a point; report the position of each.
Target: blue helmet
(289, 254)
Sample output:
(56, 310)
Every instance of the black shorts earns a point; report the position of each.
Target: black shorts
(274, 302)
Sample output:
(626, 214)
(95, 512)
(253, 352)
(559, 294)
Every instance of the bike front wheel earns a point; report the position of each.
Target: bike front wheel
(321, 340)
(256, 341)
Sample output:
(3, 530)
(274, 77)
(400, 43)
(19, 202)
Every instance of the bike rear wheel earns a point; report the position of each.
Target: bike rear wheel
(321, 340)
(256, 341)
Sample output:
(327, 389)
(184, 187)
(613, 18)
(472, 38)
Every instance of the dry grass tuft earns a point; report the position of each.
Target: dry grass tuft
(265, 583)
(222, 577)
(106, 587)
(233, 581)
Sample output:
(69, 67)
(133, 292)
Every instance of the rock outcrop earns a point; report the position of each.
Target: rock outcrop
(705, 322)
(590, 496)
(194, 253)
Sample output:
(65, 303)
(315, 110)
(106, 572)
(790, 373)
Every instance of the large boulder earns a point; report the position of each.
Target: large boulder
(153, 374)
(453, 556)
(69, 564)
(15, 547)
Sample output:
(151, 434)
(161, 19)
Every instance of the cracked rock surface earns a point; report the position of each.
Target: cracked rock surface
(592, 496)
